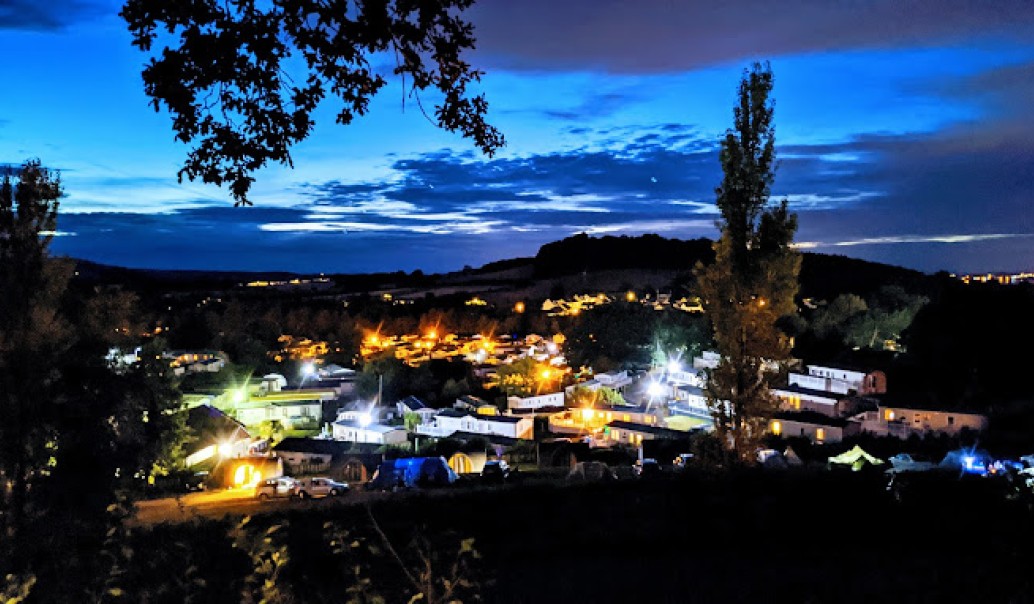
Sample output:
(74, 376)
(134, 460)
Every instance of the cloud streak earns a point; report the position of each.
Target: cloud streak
(898, 239)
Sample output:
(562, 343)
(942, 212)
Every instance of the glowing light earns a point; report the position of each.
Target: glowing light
(225, 450)
(761, 301)
(674, 366)
(246, 475)
(308, 370)
(519, 307)
(630, 296)
(432, 335)
(655, 389)
(777, 428)
(239, 396)
(365, 420)
(587, 414)
(545, 374)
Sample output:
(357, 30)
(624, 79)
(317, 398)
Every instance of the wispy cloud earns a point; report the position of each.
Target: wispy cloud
(899, 239)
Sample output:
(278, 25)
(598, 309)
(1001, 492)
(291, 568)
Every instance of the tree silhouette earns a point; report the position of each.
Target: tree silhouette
(229, 73)
(77, 429)
(753, 280)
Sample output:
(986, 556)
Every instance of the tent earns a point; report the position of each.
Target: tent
(791, 457)
(590, 471)
(969, 460)
(856, 458)
(412, 472)
(770, 458)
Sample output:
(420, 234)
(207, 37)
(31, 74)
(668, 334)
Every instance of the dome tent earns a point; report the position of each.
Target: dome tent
(969, 460)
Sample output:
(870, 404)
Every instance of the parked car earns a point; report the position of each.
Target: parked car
(272, 488)
(319, 487)
(495, 471)
(646, 468)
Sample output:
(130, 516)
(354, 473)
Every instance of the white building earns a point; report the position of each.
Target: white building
(835, 379)
(615, 380)
(707, 360)
(288, 413)
(797, 398)
(903, 422)
(533, 403)
(689, 400)
(693, 376)
(377, 434)
(451, 421)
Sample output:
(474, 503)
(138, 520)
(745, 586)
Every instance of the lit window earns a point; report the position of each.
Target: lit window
(820, 434)
(777, 428)
(888, 414)
(627, 417)
(616, 434)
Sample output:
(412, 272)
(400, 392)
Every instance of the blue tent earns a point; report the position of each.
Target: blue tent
(969, 460)
(413, 472)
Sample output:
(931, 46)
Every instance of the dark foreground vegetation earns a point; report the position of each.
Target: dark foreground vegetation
(740, 537)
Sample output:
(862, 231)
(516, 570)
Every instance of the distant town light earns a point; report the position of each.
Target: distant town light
(519, 307)
(630, 296)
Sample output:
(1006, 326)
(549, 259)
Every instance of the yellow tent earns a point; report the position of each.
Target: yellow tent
(856, 458)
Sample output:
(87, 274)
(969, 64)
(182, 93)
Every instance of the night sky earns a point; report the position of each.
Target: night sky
(904, 134)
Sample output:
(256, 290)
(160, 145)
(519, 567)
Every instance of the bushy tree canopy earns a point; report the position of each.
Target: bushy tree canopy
(243, 78)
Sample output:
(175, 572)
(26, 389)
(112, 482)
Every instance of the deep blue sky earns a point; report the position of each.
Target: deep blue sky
(904, 131)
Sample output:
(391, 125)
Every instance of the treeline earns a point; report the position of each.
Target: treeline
(583, 253)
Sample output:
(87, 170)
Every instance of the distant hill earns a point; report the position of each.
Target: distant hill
(95, 273)
(822, 276)
(825, 276)
(582, 253)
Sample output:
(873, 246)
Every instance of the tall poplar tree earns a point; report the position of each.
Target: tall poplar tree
(753, 280)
